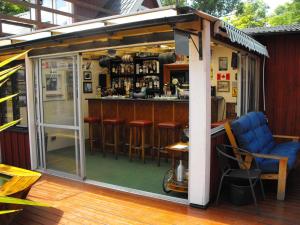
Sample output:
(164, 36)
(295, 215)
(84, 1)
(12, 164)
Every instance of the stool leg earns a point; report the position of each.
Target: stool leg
(143, 144)
(130, 143)
(91, 135)
(158, 149)
(103, 140)
(115, 141)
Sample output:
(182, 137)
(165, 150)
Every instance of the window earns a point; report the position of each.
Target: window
(17, 107)
(61, 5)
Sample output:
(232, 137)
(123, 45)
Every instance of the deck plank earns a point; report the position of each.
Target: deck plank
(78, 203)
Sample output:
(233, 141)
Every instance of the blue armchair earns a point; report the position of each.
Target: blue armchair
(251, 132)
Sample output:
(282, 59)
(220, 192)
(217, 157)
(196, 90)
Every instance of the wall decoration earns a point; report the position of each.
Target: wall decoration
(87, 87)
(235, 76)
(223, 63)
(53, 84)
(234, 89)
(219, 76)
(87, 75)
(227, 76)
(223, 86)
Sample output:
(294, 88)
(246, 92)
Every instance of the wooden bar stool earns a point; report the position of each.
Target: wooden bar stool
(115, 124)
(92, 121)
(137, 136)
(167, 128)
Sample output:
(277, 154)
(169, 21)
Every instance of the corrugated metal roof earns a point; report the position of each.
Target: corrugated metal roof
(240, 37)
(122, 6)
(270, 30)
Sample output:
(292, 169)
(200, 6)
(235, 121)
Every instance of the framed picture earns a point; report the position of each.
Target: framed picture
(223, 63)
(87, 75)
(234, 88)
(87, 87)
(223, 86)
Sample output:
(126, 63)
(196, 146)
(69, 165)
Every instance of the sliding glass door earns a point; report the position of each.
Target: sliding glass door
(58, 115)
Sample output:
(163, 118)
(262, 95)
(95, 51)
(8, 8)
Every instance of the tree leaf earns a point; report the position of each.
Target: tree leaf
(2, 83)
(9, 60)
(17, 201)
(2, 212)
(10, 124)
(7, 97)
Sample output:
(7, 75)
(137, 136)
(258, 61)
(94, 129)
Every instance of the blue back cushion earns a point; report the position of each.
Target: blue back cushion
(252, 133)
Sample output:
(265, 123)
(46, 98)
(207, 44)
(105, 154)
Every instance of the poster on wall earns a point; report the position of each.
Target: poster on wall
(234, 89)
(87, 87)
(223, 86)
(223, 63)
(87, 75)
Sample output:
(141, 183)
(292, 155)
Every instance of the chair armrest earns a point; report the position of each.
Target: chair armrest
(293, 138)
(267, 156)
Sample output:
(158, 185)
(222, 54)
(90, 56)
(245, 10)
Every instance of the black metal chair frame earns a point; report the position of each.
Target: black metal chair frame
(245, 174)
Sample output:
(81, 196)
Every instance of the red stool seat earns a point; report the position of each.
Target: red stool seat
(113, 121)
(169, 125)
(91, 120)
(140, 123)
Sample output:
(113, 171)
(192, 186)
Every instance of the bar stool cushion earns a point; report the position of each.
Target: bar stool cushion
(91, 119)
(169, 125)
(113, 121)
(140, 123)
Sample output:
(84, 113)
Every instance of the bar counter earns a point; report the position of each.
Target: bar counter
(128, 109)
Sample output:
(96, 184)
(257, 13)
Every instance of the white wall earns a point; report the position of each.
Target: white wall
(221, 51)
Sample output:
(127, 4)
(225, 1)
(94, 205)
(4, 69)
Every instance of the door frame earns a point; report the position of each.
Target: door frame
(33, 66)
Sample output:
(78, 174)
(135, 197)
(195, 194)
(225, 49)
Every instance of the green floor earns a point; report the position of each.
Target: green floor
(137, 175)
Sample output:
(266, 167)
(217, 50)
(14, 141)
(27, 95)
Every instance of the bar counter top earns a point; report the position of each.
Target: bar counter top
(140, 99)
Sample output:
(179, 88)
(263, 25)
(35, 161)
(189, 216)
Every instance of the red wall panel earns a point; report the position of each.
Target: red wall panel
(15, 148)
(282, 81)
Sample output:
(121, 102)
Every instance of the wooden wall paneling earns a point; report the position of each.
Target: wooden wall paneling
(15, 149)
(282, 81)
(22, 151)
(215, 174)
(126, 112)
(27, 151)
(182, 113)
(8, 150)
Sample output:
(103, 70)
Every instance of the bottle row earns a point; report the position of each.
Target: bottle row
(145, 67)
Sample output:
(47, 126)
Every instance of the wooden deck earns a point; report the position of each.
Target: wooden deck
(78, 203)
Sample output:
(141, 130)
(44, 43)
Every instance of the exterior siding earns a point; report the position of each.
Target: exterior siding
(282, 82)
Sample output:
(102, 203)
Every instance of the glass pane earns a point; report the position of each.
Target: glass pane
(64, 6)
(60, 148)
(58, 98)
(46, 17)
(62, 20)
(47, 3)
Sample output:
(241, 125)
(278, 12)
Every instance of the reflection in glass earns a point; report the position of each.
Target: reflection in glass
(60, 148)
(58, 99)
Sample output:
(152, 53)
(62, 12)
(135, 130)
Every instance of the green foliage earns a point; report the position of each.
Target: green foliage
(288, 13)
(216, 8)
(251, 13)
(173, 2)
(10, 8)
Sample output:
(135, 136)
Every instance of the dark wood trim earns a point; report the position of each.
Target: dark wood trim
(167, 36)
(173, 67)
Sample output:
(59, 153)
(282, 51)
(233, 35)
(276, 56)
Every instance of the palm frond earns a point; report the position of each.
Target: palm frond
(10, 124)
(17, 201)
(2, 83)
(10, 69)
(7, 61)
(2, 212)
(7, 97)
(6, 75)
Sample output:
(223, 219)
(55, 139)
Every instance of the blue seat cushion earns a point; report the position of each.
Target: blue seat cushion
(253, 134)
(286, 146)
(272, 165)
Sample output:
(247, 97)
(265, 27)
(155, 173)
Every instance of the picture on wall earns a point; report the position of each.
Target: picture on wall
(87, 75)
(223, 63)
(234, 89)
(223, 86)
(87, 87)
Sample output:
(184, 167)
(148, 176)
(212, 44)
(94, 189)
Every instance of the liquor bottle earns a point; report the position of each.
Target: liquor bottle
(113, 69)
